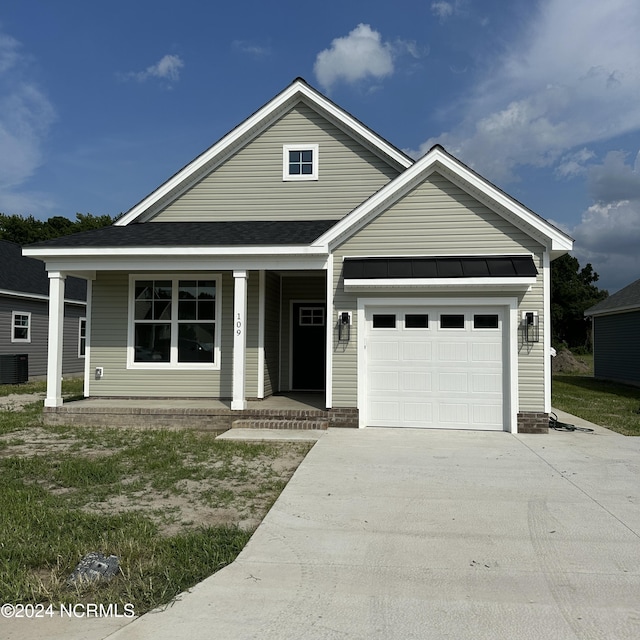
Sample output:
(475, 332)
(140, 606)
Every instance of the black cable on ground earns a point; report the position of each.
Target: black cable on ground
(564, 426)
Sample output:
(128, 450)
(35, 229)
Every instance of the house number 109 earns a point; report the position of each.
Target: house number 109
(238, 325)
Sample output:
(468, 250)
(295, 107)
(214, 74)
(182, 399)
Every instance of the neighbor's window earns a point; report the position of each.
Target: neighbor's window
(82, 337)
(20, 326)
(300, 162)
(174, 321)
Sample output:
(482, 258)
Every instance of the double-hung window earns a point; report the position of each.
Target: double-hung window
(174, 322)
(300, 162)
(20, 326)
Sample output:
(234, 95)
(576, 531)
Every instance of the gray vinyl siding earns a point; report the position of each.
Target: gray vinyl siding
(249, 185)
(272, 334)
(616, 348)
(306, 288)
(36, 349)
(438, 218)
(109, 334)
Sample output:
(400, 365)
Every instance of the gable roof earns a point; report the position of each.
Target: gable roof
(298, 91)
(27, 277)
(437, 159)
(194, 234)
(627, 299)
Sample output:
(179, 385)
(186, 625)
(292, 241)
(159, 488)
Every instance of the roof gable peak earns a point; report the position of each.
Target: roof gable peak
(298, 91)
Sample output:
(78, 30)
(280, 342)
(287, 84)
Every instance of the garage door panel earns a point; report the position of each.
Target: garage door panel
(452, 352)
(453, 382)
(486, 383)
(384, 351)
(385, 381)
(428, 376)
(487, 352)
(419, 351)
(453, 414)
(417, 381)
(417, 413)
(486, 414)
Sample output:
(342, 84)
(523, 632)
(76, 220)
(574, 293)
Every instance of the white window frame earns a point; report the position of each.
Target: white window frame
(14, 326)
(173, 361)
(288, 177)
(82, 337)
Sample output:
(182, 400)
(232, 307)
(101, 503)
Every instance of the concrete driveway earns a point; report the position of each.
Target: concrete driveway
(392, 533)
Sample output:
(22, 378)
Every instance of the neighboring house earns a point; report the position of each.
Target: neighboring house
(616, 326)
(304, 252)
(24, 313)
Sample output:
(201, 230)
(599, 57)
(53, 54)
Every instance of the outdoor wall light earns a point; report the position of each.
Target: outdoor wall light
(344, 326)
(531, 327)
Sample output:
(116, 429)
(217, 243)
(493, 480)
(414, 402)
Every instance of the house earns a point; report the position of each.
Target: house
(616, 324)
(24, 314)
(302, 252)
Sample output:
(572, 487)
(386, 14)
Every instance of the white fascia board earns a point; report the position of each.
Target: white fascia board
(457, 284)
(258, 121)
(184, 262)
(212, 252)
(435, 160)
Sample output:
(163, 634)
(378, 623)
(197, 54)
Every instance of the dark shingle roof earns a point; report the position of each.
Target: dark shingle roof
(624, 300)
(26, 275)
(196, 234)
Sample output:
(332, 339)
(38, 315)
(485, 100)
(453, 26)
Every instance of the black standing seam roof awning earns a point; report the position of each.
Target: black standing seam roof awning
(449, 267)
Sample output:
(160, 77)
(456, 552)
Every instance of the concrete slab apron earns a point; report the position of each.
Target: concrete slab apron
(434, 534)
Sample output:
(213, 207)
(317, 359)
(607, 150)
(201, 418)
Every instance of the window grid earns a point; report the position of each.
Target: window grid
(174, 321)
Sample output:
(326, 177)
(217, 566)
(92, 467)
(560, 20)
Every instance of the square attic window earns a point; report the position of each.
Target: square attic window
(300, 162)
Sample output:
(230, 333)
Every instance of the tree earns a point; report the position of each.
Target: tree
(572, 292)
(26, 230)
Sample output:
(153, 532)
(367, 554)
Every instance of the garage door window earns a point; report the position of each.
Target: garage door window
(485, 321)
(452, 321)
(416, 321)
(384, 321)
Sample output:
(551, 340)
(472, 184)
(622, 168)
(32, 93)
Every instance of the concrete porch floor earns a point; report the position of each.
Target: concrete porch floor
(286, 411)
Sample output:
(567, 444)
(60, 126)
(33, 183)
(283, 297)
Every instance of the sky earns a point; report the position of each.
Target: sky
(101, 102)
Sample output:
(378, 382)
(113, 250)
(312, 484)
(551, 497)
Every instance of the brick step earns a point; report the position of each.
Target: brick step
(264, 423)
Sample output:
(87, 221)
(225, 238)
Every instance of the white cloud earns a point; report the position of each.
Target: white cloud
(26, 115)
(442, 9)
(570, 81)
(614, 180)
(608, 236)
(574, 164)
(360, 55)
(167, 68)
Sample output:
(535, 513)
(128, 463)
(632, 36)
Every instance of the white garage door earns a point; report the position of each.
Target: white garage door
(434, 367)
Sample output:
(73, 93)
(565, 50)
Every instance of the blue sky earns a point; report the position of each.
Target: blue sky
(100, 102)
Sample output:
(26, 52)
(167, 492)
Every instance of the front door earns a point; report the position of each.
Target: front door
(308, 346)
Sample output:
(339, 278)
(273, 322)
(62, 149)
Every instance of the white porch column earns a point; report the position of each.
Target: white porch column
(239, 339)
(56, 326)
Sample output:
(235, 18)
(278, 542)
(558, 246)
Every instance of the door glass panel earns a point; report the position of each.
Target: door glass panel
(416, 321)
(452, 321)
(384, 321)
(485, 321)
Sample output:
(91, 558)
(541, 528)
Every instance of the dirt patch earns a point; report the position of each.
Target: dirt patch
(236, 490)
(566, 362)
(17, 402)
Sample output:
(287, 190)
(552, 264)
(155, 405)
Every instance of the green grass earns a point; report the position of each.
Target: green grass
(58, 484)
(609, 404)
